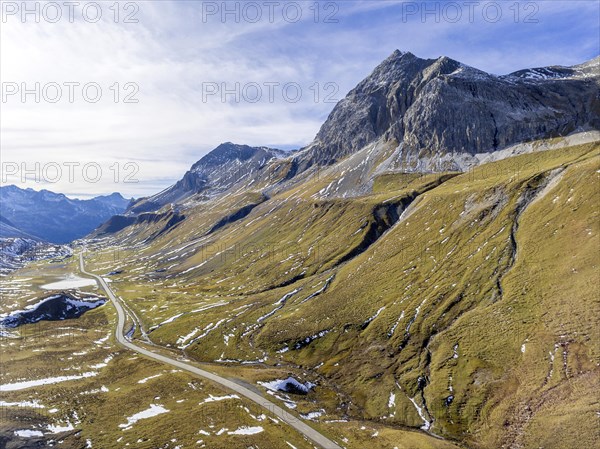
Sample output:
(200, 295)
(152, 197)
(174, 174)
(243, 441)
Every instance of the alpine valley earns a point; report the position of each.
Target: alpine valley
(424, 274)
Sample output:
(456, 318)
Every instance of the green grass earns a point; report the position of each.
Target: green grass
(451, 257)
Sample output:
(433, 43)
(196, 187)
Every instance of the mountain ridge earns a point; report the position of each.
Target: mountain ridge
(54, 217)
(432, 301)
(405, 108)
(214, 173)
(412, 102)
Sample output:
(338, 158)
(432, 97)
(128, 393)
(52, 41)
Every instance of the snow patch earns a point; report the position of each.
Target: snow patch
(245, 430)
(212, 398)
(146, 379)
(289, 385)
(154, 410)
(48, 381)
(26, 433)
(426, 424)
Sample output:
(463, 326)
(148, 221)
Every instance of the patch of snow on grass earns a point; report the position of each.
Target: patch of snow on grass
(146, 379)
(207, 330)
(312, 416)
(154, 410)
(212, 398)
(392, 400)
(103, 364)
(59, 429)
(426, 424)
(102, 340)
(32, 404)
(48, 381)
(287, 385)
(26, 433)
(368, 321)
(245, 430)
(393, 329)
(321, 290)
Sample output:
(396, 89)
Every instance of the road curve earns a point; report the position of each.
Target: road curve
(282, 414)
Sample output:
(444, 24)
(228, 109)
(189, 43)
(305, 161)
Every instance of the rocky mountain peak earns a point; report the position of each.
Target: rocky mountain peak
(429, 114)
(229, 152)
(411, 103)
(217, 171)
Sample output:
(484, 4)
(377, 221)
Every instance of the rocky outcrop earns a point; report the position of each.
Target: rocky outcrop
(166, 221)
(436, 107)
(219, 170)
(62, 306)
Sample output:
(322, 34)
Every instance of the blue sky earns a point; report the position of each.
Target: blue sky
(173, 55)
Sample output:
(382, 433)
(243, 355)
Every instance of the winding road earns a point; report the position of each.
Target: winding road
(282, 414)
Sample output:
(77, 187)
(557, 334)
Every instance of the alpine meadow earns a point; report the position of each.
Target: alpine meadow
(412, 265)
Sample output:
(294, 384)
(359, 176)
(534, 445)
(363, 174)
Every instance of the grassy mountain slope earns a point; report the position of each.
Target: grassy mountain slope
(466, 301)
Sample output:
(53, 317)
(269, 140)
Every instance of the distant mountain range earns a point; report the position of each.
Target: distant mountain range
(15, 252)
(9, 230)
(49, 216)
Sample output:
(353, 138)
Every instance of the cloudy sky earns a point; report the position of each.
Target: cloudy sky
(128, 100)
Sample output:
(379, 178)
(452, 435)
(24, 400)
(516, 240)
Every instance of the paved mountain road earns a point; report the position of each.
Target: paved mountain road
(282, 414)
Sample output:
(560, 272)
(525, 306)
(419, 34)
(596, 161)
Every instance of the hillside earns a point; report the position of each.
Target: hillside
(9, 230)
(436, 301)
(422, 275)
(225, 166)
(433, 279)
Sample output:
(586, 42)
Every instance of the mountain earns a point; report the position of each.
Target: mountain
(115, 200)
(423, 260)
(462, 304)
(410, 114)
(15, 252)
(438, 111)
(52, 216)
(18, 248)
(9, 230)
(222, 168)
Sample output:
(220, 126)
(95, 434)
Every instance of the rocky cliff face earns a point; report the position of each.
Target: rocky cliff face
(410, 114)
(219, 170)
(434, 112)
(436, 107)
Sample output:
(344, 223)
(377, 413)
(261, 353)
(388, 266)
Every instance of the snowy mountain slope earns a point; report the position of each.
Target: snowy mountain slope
(8, 230)
(15, 252)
